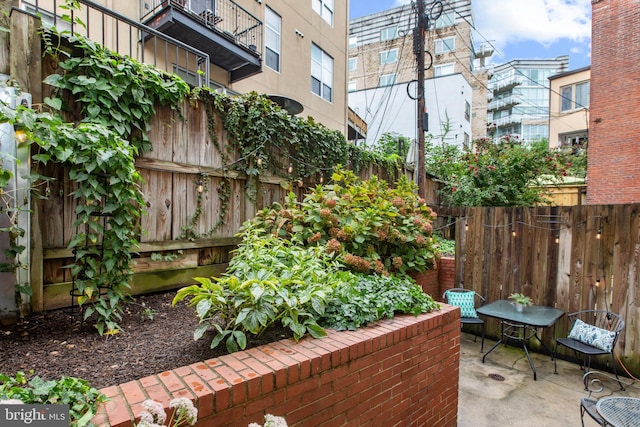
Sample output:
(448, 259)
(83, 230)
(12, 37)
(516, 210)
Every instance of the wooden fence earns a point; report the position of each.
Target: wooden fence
(568, 257)
(183, 154)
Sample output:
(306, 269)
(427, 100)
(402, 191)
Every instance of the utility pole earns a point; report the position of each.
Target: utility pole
(419, 32)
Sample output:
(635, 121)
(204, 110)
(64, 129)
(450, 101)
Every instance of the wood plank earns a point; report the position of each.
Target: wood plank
(172, 245)
(179, 132)
(163, 208)
(148, 219)
(57, 296)
(147, 264)
(179, 213)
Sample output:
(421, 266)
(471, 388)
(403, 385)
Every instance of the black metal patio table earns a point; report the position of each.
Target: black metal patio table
(520, 325)
(619, 411)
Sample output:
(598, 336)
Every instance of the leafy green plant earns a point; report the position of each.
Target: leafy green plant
(447, 247)
(116, 97)
(270, 281)
(520, 298)
(372, 228)
(83, 400)
(369, 298)
(506, 172)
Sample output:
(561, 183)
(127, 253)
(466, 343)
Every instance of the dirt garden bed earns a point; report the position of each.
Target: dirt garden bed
(156, 337)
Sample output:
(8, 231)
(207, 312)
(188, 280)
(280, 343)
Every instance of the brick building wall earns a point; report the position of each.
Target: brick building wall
(399, 372)
(613, 174)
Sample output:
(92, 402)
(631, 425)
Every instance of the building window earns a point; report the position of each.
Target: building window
(466, 139)
(353, 41)
(443, 70)
(467, 111)
(446, 20)
(321, 73)
(324, 8)
(388, 33)
(352, 86)
(273, 25)
(445, 45)
(574, 96)
(388, 56)
(582, 95)
(387, 80)
(353, 64)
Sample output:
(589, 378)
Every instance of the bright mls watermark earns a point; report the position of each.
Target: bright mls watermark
(21, 415)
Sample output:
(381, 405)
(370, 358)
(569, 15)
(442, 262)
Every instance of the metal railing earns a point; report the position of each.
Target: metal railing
(124, 36)
(500, 103)
(226, 17)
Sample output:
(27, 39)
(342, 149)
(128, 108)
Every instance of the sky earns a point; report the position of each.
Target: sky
(519, 29)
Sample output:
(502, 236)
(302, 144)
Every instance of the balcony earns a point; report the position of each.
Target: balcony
(506, 84)
(503, 103)
(221, 28)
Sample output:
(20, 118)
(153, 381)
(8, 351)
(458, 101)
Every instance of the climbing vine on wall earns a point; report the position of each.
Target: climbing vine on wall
(114, 98)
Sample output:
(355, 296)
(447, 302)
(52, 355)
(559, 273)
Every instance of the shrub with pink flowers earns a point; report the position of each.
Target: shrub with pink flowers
(368, 225)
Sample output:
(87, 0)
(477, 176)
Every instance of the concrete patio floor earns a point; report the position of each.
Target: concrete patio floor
(519, 401)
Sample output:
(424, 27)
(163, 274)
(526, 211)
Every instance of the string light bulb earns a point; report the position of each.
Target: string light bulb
(259, 161)
(557, 238)
(21, 136)
(597, 283)
(599, 235)
(290, 169)
(466, 227)
(513, 232)
(200, 186)
(321, 179)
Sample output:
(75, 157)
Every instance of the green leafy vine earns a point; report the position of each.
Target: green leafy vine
(113, 98)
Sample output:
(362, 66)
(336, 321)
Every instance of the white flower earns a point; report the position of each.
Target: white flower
(184, 410)
(11, 402)
(273, 421)
(145, 417)
(156, 410)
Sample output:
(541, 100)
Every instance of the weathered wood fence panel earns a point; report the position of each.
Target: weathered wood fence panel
(569, 257)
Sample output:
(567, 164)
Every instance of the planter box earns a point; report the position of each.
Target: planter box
(435, 282)
(403, 371)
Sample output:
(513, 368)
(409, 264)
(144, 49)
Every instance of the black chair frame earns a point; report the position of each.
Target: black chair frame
(602, 319)
(478, 301)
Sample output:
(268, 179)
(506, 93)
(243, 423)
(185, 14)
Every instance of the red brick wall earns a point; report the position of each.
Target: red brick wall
(400, 372)
(614, 129)
(435, 282)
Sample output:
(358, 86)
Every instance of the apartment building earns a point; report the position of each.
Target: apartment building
(292, 50)
(382, 74)
(569, 108)
(519, 97)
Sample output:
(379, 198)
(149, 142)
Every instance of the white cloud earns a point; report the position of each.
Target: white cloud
(544, 21)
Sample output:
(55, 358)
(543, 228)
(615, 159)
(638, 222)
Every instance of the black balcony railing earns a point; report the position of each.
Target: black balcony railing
(227, 32)
(125, 36)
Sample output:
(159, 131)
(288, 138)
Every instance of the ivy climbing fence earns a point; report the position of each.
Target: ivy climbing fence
(194, 205)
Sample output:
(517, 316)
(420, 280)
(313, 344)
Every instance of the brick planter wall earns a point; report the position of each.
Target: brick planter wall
(435, 282)
(403, 371)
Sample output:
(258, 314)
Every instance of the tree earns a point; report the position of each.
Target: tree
(504, 172)
(393, 144)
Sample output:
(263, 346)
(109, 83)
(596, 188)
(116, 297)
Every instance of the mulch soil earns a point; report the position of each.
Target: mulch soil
(58, 343)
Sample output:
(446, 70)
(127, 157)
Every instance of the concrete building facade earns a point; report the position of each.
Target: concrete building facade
(291, 49)
(569, 109)
(519, 97)
(382, 74)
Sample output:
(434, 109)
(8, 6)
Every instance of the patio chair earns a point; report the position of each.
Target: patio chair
(468, 300)
(593, 333)
(588, 405)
